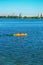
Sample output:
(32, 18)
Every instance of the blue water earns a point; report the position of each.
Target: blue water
(21, 50)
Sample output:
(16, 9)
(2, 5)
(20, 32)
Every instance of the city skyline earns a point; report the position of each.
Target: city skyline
(25, 7)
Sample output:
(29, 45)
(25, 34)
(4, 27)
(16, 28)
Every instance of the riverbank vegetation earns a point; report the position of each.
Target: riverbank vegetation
(33, 17)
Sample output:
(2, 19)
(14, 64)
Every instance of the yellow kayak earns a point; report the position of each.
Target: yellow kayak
(20, 34)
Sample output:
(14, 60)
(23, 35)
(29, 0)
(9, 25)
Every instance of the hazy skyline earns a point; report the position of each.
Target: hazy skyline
(25, 7)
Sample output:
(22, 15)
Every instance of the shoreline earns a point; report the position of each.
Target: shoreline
(22, 17)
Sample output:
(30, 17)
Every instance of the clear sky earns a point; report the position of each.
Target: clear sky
(25, 7)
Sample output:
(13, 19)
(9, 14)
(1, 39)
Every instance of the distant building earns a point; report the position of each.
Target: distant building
(20, 15)
(41, 15)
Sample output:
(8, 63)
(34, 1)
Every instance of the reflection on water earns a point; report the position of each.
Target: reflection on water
(21, 50)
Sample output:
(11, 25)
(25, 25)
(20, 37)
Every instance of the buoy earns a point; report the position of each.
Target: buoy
(20, 34)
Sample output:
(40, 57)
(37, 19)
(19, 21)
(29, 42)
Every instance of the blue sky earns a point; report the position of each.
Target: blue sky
(25, 7)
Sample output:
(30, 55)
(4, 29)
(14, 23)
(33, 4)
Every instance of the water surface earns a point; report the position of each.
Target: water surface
(21, 50)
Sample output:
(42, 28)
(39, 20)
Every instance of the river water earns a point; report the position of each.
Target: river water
(21, 50)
